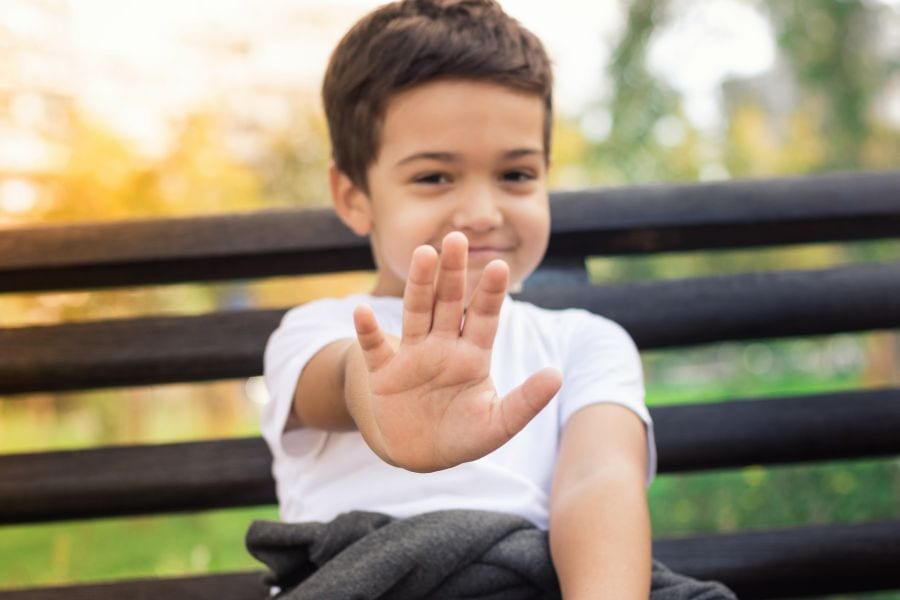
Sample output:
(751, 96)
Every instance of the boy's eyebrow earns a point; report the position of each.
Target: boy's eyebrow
(440, 156)
(453, 157)
(520, 152)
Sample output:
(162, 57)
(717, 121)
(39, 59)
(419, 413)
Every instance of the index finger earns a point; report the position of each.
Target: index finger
(418, 295)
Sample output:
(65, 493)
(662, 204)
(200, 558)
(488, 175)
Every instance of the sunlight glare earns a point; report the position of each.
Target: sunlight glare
(17, 196)
(706, 43)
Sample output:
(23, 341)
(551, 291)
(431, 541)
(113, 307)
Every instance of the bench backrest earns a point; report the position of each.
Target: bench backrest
(200, 475)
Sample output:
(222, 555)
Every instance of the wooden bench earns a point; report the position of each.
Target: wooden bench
(201, 475)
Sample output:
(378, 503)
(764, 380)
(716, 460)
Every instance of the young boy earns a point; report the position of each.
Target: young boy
(438, 392)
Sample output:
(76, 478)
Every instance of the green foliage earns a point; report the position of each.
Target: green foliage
(830, 67)
(106, 550)
(831, 52)
(639, 102)
(759, 498)
(293, 167)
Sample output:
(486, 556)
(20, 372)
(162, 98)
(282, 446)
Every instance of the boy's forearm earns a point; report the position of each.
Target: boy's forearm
(334, 394)
(599, 520)
(600, 539)
(320, 399)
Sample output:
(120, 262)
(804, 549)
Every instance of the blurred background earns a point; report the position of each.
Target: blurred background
(134, 109)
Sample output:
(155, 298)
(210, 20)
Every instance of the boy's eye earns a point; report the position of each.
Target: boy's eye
(432, 178)
(518, 176)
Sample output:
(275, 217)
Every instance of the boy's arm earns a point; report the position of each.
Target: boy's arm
(425, 402)
(599, 521)
(319, 396)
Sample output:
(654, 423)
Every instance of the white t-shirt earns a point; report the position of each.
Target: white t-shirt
(322, 474)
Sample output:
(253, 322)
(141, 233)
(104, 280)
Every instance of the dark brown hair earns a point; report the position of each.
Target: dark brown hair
(407, 43)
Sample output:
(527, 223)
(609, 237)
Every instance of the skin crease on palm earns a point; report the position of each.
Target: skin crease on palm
(457, 211)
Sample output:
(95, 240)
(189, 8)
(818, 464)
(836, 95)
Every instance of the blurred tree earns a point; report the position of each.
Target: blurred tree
(640, 106)
(833, 55)
(832, 68)
(105, 177)
(293, 163)
(569, 148)
(200, 175)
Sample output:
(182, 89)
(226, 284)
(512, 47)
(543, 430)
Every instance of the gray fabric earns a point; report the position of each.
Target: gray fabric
(668, 585)
(440, 555)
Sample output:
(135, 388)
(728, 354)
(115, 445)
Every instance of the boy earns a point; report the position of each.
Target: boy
(438, 392)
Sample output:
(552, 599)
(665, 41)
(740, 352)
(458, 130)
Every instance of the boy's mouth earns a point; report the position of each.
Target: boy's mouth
(486, 253)
(488, 249)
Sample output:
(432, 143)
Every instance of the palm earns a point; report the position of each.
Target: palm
(433, 404)
(433, 396)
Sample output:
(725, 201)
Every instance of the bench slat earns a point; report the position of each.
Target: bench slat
(658, 314)
(801, 561)
(112, 353)
(214, 474)
(767, 304)
(851, 424)
(130, 480)
(234, 246)
(634, 219)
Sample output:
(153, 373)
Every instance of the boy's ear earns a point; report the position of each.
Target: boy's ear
(350, 202)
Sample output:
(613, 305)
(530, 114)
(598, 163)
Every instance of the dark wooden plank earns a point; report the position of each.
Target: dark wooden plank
(135, 352)
(128, 480)
(664, 314)
(190, 476)
(843, 425)
(808, 561)
(225, 586)
(658, 314)
(728, 214)
(843, 206)
(802, 561)
(234, 246)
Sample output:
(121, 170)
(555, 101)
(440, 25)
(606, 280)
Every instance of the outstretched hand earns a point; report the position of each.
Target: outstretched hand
(431, 403)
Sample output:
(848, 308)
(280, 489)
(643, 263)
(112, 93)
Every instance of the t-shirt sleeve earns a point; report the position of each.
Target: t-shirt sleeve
(603, 366)
(303, 331)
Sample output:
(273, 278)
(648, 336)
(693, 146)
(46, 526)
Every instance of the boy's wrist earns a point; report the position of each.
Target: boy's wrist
(356, 385)
(358, 398)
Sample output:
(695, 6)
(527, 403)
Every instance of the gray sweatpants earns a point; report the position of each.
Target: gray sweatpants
(440, 555)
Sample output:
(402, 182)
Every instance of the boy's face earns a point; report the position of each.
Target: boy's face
(455, 155)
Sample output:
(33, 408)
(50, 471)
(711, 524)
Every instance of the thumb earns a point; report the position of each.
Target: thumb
(523, 403)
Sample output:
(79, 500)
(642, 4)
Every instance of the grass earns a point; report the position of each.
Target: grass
(110, 549)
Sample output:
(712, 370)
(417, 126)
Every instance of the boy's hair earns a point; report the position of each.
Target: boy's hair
(407, 43)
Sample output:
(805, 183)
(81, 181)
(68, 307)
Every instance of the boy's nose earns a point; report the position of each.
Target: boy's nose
(477, 210)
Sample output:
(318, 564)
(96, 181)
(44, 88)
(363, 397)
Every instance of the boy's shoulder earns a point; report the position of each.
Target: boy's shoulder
(568, 323)
(561, 316)
(336, 313)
